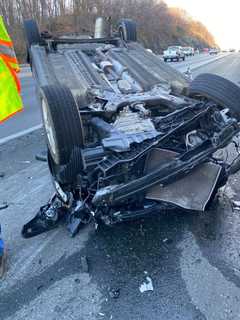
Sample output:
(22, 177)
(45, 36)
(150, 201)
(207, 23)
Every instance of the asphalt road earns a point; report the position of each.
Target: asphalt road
(192, 259)
(30, 117)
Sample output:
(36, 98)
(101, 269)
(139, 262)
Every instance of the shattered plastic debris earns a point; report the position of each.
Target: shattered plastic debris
(114, 293)
(146, 286)
(167, 241)
(101, 314)
(236, 205)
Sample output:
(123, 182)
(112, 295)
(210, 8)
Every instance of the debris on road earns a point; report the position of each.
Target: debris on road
(114, 293)
(146, 286)
(25, 161)
(3, 205)
(101, 314)
(2, 174)
(167, 241)
(77, 280)
(236, 205)
(41, 156)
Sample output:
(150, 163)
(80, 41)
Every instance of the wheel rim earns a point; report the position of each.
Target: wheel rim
(48, 127)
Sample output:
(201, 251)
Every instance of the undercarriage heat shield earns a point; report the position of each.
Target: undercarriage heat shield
(191, 192)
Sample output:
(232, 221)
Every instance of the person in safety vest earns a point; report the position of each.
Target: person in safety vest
(10, 99)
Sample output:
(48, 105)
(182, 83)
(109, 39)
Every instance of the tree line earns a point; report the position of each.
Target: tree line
(158, 25)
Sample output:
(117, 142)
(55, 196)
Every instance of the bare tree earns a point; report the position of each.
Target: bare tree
(158, 25)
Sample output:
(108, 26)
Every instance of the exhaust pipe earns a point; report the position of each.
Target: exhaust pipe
(102, 28)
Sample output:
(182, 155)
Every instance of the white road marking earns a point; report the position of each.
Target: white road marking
(196, 65)
(211, 293)
(20, 134)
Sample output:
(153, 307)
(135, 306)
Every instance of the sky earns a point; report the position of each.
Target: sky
(221, 17)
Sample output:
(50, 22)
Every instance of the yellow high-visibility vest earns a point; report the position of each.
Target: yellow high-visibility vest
(6, 47)
(10, 99)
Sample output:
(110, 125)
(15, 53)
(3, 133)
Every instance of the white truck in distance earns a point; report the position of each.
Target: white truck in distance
(189, 51)
(173, 53)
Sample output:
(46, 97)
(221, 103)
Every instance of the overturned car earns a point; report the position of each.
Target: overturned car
(127, 135)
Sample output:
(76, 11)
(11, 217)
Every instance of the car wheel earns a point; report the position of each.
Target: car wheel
(32, 35)
(165, 60)
(220, 90)
(127, 30)
(32, 32)
(183, 58)
(62, 122)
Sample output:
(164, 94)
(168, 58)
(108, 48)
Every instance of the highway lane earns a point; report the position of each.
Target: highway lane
(30, 118)
(193, 259)
(229, 67)
(196, 61)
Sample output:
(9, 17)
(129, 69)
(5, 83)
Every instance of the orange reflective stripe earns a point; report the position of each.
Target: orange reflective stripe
(6, 43)
(10, 98)
(9, 59)
(13, 73)
(12, 62)
(15, 67)
(12, 114)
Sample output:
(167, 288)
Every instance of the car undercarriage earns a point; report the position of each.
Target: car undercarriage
(127, 135)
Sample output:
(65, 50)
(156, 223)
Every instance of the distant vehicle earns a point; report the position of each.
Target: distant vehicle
(232, 50)
(213, 51)
(205, 50)
(174, 53)
(189, 51)
(196, 51)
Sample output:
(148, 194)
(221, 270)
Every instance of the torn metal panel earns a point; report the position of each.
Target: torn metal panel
(191, 192)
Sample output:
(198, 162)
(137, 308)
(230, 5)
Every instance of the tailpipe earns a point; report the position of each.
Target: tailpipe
(102, 28)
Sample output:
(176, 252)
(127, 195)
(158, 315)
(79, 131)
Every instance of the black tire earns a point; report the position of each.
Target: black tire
(220, 90)
(66, 175)
(183, 58)
(32, 35)
(165, 60)
(127, 30)
(32, 32)
(62, 122)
